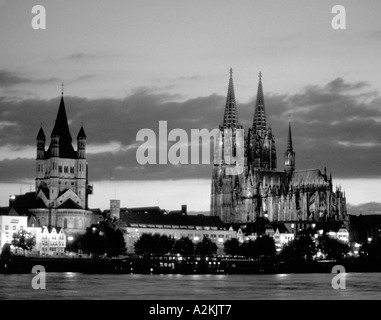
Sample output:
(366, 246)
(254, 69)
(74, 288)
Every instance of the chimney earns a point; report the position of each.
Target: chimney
(184, 209)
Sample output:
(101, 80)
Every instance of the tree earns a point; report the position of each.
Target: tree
(265, 246)
(334, 249)
(104, 238)
(156, 244)
(206, 247)
(23, 240)
(6, 253)
(372, 249)
(184, 246)
(249, 249)
(301, 248)
(232, 247)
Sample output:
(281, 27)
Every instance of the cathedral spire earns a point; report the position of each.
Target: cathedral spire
(289, 140)
(231, 114)
(259, 122)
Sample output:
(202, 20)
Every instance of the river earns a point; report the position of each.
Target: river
(191, 287)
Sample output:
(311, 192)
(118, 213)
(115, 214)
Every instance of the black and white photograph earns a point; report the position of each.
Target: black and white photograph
(191, 154)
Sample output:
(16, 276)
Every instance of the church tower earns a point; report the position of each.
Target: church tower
(261, 140)
(62, 187)
(223, 184)
(289, 156)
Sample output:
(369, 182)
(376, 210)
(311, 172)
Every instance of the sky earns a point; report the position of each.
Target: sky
(126, 65)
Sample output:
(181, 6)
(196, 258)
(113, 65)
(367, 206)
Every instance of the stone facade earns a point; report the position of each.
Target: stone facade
(260, 190)
(62, 187)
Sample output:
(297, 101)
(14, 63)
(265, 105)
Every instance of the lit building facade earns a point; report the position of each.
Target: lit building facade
(10, 224)
(261, 190)
(62, 188)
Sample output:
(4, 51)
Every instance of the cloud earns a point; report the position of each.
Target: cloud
(332, 126)
(80, 56)
(84, 78)
(339, 85)
(10, 79)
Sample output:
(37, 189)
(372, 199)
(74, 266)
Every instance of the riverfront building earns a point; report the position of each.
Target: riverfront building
(176, 224)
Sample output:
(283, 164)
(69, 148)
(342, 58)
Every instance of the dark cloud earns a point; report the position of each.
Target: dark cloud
(9, 79)
(332, 126)
(80, 56)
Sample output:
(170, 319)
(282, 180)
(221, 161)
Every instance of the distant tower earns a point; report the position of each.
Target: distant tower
(289, 156)
(115, 209)
(81, 144)
(40, 160)
(41, 140)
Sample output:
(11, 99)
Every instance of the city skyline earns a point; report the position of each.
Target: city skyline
(159, 66)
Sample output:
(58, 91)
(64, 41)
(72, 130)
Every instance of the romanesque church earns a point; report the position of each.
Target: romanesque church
(62, 188)
(284, 195)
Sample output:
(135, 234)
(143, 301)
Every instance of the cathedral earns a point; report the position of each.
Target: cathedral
(62, 188)
(293, 197)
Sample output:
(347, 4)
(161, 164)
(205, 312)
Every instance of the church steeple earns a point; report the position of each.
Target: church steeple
(231, 114)
(289, 140)
(259, 122)
(41, 139)
(61, 133)
(41, 135)
(289, 155)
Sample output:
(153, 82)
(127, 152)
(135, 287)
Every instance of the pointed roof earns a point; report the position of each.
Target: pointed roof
(231, 114)
(289, 140)
(259, 122)
(61, 130)
(81, 134)
(41, 134)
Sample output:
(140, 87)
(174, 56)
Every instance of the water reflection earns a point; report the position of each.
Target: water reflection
(282, 286)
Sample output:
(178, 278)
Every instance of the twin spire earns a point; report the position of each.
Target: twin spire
(259, 121)
(231, 113)
(289, 140)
